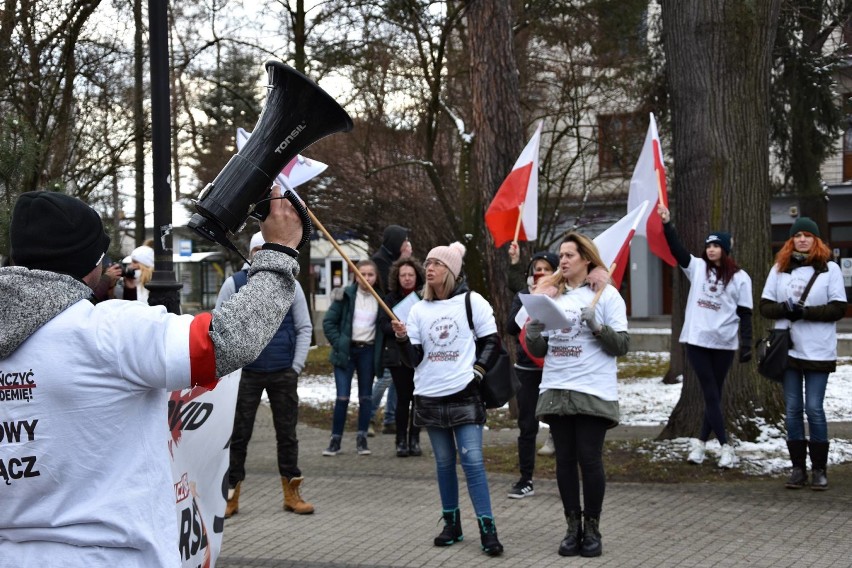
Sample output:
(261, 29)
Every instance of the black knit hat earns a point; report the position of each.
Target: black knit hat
(805, 224)
(721, 239)
(53, 231)
(545, 255)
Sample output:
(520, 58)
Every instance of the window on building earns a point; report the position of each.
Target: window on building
(620, 140)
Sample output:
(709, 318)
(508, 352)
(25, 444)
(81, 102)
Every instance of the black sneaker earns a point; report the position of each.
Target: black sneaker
(361, 445)
(333, 447)
(523, 488)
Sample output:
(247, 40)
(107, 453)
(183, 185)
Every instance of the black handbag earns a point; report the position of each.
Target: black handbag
(772, 354)
(772, 350)
(499, 384)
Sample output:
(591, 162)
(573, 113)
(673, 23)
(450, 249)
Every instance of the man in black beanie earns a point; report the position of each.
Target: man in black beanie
(85, 396)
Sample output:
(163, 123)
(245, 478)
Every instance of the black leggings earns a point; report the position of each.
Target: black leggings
(579, 442)
(711, 366)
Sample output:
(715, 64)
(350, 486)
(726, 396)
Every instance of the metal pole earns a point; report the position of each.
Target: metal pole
(164, 286)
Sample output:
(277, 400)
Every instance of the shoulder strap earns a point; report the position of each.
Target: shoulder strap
(808, 287)
(469, 312)
(240, 279)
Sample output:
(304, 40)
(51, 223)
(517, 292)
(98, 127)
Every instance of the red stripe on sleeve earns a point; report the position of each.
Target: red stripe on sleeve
(202, 355)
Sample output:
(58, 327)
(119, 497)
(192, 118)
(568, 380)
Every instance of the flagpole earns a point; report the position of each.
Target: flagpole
(660, 189)
(597, 297)
(352, 266)
(518, 224)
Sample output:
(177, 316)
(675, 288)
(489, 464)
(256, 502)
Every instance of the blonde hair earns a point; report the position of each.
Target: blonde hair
(146, 273)
(587, 250)
(444, 289)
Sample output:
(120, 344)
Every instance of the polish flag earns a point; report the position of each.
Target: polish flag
(513, 214)
(614, 243)
(298, 171)
(649, 184)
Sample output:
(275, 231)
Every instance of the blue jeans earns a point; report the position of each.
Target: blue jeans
(814, 394)
(382, 384)
(468, 439)
(360, 361)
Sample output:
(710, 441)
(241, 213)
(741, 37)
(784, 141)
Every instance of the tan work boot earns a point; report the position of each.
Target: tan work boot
(233, 505)
(292, 497)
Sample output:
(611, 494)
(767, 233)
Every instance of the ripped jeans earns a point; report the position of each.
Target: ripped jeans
(465, 441)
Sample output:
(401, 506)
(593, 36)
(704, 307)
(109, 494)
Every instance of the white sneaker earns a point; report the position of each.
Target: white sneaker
(696, 451)
(548, 449)
(727, 459)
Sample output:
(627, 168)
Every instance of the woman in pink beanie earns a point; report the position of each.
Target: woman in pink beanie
(438, 342)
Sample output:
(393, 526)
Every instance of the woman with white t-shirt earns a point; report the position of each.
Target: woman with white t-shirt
(719, 305)
(356, 347)
(578, 395)
(813, 332)
(438, 342)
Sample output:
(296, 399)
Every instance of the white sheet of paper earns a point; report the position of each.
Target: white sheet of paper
(402, 309)
(544, 309)
(521, 317)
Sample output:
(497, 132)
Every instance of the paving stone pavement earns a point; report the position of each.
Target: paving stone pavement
(383, 511)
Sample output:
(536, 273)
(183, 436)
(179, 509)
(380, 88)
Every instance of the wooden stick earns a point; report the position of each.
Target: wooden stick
(352, 266)
(660, 188)
(518, 225)
(598, 295)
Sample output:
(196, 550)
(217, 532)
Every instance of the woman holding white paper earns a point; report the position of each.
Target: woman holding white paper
(579, 393)
(406, 277)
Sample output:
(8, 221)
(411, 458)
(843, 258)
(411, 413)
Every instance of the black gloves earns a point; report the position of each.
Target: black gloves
(793, 309)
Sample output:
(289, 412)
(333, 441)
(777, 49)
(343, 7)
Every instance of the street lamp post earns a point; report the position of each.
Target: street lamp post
(164, 286)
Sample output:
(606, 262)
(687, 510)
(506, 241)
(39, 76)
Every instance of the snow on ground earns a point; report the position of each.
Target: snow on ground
(648, 402)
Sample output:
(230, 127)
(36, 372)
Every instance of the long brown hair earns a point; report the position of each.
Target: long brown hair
(726, 269)
(819, 255)
(587, 250)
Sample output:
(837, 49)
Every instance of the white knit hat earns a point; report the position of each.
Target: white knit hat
(450, 255)
(256, 241)
(143, 255)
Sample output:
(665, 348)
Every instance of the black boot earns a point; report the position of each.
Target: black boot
(414, 442)
(591, 537)
(819, 460)
(401, 447)
(488, 536)
(798, 456)
(452, 532)
(570, 545)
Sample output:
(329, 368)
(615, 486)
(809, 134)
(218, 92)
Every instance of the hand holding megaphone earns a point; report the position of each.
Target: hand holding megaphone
(283, 224)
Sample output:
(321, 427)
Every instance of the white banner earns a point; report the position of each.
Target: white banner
(200, 423)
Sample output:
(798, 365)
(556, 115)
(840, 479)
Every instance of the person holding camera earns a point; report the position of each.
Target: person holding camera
(93, 482)
(136, 276)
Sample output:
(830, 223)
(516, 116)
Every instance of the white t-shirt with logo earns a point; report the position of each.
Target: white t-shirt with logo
(575, 358)
(84, 442)
(711, 318)
(812, 340)
(449, 348)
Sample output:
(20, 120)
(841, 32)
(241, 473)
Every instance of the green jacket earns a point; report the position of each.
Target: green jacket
(337, 327)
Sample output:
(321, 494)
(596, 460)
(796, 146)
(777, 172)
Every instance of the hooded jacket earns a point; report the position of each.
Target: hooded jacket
(392, 239)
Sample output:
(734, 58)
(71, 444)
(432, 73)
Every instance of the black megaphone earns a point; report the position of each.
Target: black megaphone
(297, 113)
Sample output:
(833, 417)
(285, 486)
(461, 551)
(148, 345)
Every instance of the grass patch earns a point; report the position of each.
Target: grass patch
(624, 461)
(317, 362)
(643, 365)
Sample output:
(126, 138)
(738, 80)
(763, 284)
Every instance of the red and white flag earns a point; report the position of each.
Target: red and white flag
(649, 183)
(614, 243)
(298, 171)
(517, 196)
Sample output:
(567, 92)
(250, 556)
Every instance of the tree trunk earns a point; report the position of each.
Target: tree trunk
(499, 134)
(718, 57)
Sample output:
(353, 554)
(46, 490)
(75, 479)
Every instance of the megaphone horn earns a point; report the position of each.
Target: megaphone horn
(297, 113)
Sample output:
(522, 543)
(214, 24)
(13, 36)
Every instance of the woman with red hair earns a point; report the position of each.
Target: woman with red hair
(805, 259)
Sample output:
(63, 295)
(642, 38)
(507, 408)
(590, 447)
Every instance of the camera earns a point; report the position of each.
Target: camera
(129, 273)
